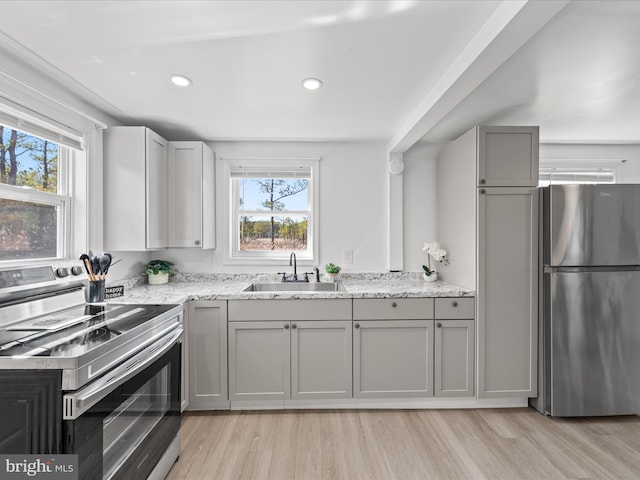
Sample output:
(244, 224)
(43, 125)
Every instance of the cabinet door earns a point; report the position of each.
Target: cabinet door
(321, 359)
(185, 194)
(207, 353)
(508, 156)
(135, 189)
(453, 360)
(208, 198)
(259, 360)
(156, 190)
(393, 358)
(507, 292)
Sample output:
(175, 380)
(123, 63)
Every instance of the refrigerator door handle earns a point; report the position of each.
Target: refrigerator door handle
(612, 268)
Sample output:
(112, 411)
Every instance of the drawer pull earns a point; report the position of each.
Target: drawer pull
(455, 304)
(357, 325)
(439, 325)
(293, 325)
(394, 304)
(286, 326)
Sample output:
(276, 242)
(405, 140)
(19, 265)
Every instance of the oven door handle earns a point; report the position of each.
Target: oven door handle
(78, 402)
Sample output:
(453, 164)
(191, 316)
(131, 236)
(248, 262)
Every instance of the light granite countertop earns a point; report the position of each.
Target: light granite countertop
(185, 287)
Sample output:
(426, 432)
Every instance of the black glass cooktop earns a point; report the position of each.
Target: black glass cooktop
(74, 331)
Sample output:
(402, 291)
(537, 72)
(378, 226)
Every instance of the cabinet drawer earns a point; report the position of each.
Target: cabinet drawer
(393, 308)
(455, 308)
(320, 309)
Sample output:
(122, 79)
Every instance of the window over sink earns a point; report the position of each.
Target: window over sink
(273, 207)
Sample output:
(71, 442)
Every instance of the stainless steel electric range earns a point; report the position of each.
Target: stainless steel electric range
(98, 380)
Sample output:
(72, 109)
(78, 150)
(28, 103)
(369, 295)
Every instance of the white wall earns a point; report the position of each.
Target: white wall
(420, 198)
(352, 197)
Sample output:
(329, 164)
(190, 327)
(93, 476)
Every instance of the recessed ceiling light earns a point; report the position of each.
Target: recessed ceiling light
(311, 83)
(181, 80)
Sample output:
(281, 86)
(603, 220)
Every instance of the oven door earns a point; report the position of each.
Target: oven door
(121, 424)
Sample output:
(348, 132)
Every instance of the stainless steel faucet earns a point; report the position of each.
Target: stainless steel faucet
(294, 262)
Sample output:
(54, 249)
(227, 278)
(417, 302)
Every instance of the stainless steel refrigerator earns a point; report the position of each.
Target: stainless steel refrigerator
(589, 362)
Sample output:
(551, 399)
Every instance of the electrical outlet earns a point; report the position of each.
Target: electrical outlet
(347, 256)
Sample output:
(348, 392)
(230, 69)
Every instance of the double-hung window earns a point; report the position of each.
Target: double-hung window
(273, 208)
(34, 202)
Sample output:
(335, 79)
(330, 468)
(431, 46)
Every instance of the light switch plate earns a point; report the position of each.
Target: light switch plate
(347, 256)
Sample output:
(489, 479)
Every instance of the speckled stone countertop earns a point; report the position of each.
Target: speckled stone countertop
(185, 287)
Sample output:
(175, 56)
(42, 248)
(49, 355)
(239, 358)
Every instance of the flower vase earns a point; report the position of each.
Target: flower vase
(430, 278)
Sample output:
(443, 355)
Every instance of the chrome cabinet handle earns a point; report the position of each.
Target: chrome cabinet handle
(455, 304)
(286, 326)
(394, 304)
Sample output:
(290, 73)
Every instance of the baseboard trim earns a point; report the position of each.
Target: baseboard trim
(382, 403)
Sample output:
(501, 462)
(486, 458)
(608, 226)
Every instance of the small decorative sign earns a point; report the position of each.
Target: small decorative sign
(113, 292)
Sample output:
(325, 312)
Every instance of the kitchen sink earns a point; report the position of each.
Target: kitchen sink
(292, 287)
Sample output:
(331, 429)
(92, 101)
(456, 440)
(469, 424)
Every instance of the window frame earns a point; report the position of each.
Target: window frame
(232, 253)
(578, 167)
(61, 200)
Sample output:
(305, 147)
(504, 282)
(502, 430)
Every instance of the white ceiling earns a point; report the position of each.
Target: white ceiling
(387, 66)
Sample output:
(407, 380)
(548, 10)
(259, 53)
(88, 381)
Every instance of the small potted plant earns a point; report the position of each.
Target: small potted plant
(332, 270)
(439, 254)
(158, 271)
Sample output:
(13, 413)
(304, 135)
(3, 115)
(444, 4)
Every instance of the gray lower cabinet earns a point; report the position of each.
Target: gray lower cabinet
(321, 359)
(274, 355)
(207, 354)
(393, 348)
(392, 358)
(277, 360)
(453, 358)
(259, 360)
(454, 350)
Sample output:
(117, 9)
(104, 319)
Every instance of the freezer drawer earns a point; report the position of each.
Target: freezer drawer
(592, 225)
(594, 329)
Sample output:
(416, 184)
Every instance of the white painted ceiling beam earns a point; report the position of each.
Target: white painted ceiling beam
(511, 26)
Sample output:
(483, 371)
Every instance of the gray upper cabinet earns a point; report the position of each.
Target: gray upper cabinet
(135, 189)
(207, 355)
(191, 190)
(507, 156)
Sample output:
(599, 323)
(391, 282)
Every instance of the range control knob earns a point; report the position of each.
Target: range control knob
(76, 270)
(62, 272)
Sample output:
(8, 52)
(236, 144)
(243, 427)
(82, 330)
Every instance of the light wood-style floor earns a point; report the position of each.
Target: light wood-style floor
(508, 444)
